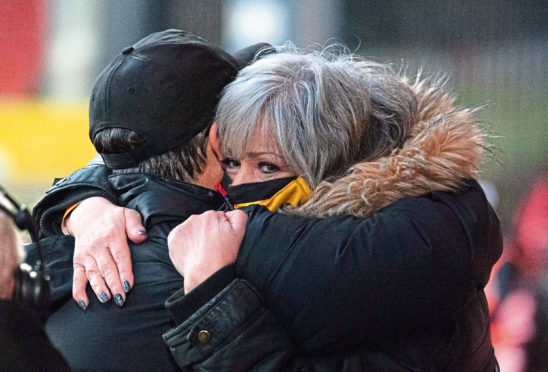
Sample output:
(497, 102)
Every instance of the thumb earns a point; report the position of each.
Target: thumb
(238, 220)
(135, 230)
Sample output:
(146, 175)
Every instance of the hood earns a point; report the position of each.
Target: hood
(444, 149)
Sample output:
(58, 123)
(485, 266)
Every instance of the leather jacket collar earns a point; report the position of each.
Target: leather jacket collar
(163, 200)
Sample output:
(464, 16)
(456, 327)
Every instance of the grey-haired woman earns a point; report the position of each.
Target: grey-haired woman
(340, 293)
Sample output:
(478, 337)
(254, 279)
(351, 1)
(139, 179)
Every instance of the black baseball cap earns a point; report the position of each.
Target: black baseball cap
(165, 88)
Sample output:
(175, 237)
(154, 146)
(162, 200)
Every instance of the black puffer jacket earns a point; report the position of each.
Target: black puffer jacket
(402, 290)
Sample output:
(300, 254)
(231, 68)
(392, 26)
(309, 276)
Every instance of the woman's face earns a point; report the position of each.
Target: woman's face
(261, 162)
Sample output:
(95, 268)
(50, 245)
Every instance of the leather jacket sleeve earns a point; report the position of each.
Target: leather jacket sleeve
(235, 332)
(80, 185)
(227, 332)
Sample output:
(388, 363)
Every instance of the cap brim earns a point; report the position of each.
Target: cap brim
(247, 55)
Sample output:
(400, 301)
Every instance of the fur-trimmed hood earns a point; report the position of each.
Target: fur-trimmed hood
(445, 148)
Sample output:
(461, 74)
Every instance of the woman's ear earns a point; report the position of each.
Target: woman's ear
(214, 141)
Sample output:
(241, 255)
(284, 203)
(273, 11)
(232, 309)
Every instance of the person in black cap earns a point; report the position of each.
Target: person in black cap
(150, 117)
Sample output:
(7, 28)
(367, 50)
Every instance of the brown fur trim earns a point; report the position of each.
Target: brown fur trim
(445, 148)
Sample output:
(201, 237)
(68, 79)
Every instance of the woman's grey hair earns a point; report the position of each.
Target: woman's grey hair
(326, 110)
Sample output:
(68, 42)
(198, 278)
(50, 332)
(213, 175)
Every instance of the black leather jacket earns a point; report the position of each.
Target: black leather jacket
(106, 337)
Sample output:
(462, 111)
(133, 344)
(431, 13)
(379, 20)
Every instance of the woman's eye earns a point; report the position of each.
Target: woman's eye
(268, 168)
(229, 163)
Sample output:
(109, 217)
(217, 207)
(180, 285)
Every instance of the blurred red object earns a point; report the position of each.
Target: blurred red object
(22, 38)
(516, 322)
(531, 230)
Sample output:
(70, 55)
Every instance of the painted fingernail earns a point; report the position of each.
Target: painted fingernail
(142, 232)
(82, 305)
(103, 296)
(118, 299)
(127, 287)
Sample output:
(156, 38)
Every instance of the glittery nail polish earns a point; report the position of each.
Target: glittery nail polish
(103, 296)
(82, 305)
(118, 299)
(127, 287)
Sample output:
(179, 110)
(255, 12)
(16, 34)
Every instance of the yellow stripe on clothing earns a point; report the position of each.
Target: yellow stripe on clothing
(295, 193)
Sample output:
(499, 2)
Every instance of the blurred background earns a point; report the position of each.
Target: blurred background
(495, 53)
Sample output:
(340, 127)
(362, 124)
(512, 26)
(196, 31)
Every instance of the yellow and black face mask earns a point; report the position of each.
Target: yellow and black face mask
(271, 194)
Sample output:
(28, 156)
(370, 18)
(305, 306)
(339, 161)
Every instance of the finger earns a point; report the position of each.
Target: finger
(238, 220)
(122, 258)
(176, 233)
(96, 281)
(176, 245)
(135, 230)
(79, 283)
(109, 272)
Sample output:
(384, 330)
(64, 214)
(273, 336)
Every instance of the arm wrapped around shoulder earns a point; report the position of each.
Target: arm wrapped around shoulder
(80, 185)
(412, 264)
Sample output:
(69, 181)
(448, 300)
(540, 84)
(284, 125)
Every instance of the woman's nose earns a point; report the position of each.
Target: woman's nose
(242, 176)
